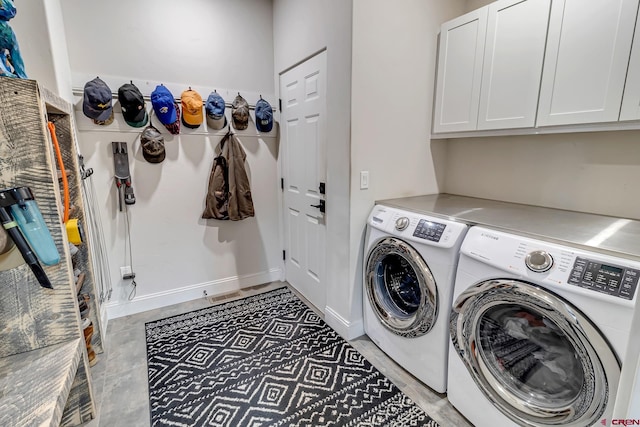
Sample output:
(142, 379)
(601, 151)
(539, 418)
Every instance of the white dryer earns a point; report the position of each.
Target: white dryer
(409, 267)
(539, 331)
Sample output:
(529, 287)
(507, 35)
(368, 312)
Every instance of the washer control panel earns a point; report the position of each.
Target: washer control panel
(402, 223)
(606, 278)
(429, 230)
(538, 261)
(562, 268)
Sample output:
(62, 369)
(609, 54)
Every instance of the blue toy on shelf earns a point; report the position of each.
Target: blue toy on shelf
(11, 64)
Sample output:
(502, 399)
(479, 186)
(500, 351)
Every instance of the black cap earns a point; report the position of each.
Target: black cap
(132, 104)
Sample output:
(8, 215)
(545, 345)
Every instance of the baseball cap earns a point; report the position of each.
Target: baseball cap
(240, 113)
(97, 102)
(191, 108)
(165, 107)
(152, 143)
(133, 105)
(215, 111)
(264, 116)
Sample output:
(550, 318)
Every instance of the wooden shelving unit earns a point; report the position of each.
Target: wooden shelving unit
(45, 377)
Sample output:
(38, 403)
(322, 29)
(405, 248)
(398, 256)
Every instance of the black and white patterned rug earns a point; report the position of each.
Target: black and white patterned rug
(266, 360)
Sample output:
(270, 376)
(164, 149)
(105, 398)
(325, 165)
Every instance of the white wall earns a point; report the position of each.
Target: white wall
(40, 32)
(589, 172)
(394, 62)
(217, 43)
(59, 52)
(302, 29)
(208, 45)
(475, 4)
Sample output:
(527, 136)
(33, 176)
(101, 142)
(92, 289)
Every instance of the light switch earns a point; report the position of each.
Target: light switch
(364, 180)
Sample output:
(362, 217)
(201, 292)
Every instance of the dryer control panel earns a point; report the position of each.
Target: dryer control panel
(606, 278)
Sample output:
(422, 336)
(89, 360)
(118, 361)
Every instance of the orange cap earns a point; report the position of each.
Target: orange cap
(191, 108)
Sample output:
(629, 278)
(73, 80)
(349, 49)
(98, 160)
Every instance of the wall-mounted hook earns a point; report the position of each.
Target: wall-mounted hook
(260, 96)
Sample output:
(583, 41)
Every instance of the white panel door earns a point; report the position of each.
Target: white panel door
(586, 60)
(303, 95)
(460, 56)
(514, 51)
(631, 99)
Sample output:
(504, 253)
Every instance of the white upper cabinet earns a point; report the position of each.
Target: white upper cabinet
(631, 99)
(459, 72)
(489, 67)
(585, 65)
(513, 55)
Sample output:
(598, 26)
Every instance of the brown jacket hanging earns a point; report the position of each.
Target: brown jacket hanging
(229, 192)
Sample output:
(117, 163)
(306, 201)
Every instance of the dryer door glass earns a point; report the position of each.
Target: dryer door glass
(400, 288)
(533, 354)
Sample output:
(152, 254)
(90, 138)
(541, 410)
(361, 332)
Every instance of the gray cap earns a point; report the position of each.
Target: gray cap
(152, 143)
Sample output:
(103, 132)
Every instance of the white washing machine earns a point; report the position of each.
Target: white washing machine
(538, 331)
(409, 267)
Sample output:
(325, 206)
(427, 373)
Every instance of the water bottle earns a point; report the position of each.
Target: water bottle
(33, 227)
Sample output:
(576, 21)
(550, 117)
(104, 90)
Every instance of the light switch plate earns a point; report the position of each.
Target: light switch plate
(364, 180)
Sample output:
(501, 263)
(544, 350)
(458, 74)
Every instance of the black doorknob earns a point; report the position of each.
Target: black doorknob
(321, 206)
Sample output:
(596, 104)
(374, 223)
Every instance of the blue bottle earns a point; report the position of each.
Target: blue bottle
(33, 227)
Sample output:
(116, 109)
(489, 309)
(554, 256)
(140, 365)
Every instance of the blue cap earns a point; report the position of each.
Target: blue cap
(264, 116)
(164, 105)
(215, 107)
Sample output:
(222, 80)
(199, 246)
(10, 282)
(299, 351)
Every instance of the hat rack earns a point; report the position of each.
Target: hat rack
(147, 86)
(80, 92)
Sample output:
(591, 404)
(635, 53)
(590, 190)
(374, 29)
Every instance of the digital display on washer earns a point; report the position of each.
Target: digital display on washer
(608, 279)
(429, 230)
(614, 271)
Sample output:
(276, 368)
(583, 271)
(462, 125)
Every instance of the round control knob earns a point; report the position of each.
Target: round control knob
(538, 261)
(402, 223)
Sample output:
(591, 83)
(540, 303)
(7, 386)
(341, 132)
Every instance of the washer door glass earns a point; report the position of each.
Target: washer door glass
(400, 288)
(530, 354)
(533, 354)
(397, 283)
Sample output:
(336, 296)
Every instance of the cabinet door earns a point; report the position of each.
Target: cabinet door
(585, 64)
(631, 99)
(516, 35)
(459, 72)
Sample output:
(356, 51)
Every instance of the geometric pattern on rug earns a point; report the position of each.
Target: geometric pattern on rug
(266, 360)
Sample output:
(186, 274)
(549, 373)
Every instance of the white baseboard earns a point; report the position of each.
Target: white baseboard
(188, 293)
(347, 330)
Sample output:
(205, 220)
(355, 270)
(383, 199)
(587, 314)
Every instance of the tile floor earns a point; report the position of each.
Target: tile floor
(120, 377)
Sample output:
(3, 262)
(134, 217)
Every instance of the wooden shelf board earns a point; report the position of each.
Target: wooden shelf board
(34, 386)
